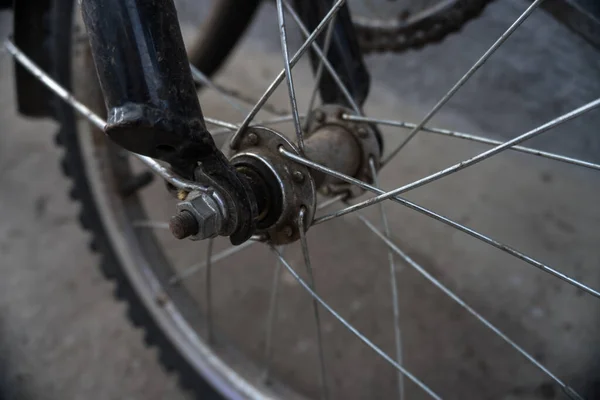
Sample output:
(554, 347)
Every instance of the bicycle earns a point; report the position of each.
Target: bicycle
(265, 190)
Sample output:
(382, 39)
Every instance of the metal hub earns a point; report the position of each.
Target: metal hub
(283, 187)
(342, 145)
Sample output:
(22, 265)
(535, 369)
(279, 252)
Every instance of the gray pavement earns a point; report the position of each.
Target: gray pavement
(62, 336)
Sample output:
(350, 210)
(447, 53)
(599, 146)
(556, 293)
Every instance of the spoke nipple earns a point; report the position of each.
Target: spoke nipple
(252, 139)
(183, 224)
(298, 177)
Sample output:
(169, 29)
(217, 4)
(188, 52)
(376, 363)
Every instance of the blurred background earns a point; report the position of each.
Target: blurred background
(63, 336)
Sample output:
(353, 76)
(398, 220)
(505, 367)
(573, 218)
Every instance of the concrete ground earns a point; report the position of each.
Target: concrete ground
(62, 336)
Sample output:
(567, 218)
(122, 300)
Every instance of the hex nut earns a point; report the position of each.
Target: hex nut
(207, 213)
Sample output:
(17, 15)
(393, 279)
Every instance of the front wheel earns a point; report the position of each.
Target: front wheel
(240, 318)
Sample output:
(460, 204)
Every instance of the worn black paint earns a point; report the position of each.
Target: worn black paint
(151, 99)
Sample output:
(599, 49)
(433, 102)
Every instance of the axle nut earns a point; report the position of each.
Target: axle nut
(202, 209)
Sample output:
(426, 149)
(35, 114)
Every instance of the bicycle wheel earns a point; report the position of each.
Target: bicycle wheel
(380, 321)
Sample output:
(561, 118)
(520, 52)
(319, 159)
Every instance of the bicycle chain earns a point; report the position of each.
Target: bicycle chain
(397, 36)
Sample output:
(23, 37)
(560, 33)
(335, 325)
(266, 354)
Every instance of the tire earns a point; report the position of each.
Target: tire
(60, 20)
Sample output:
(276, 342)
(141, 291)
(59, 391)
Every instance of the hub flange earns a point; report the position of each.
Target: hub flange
(342, 145)
(283, 186)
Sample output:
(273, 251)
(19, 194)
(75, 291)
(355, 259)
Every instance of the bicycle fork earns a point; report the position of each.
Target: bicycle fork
(152, 104)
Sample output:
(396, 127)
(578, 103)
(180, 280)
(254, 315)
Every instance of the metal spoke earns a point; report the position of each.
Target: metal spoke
(466, 77)
(311, 283)
(474, 138)
(392, 246)
(319, 72)
(393, 283)
(187, 272)
(324, 60)
(220, 123)
(94, 118)
(175, 279)
(200, 77)
(53, 85)
(443, 219)
(331, 201)
(208, 277)
(471, 161)
(235, 138)
(271, 121)
(270, 322)
(288, 74)
(352, 329)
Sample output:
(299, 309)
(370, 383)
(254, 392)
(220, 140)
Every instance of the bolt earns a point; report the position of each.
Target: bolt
(183, 224)
(319, 116)
(362, 132)
(288, 231)
(298, 177)
(252, 139)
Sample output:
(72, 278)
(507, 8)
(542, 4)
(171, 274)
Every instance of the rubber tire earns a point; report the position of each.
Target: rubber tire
(59, 21)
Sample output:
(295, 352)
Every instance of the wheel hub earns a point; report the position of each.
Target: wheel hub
(281, 186)
(341, 145)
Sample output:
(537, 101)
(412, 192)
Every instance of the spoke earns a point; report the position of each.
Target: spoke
(208, 277)
(53, 85)
(467, 163)
(271, 121)
(234, 102)
(311, 283)
(442, 219)
(331, 201)
(461, 302)
(94, 118)
(288, 74)
(319, 73)
(187, 272)
(474, 138)
(235, 138)
(324, 60)
(175, 279)
(270, 322)
(394, 285)
(242, 102)
(150, 224)
(352, 329)
(220, 123)
(466, 77)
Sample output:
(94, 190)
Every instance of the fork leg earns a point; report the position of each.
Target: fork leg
(152, 104)
(344, 53)
(140, 58)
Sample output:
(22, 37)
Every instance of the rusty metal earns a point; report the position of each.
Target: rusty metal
(341, 146)
(286, 186)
